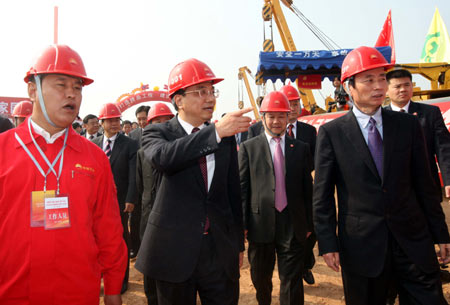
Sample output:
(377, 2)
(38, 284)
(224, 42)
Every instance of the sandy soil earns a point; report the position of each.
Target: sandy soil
(326, 291)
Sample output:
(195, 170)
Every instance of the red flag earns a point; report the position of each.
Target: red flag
(386, 37)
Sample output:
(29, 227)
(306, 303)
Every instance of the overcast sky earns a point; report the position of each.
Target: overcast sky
(124, 43)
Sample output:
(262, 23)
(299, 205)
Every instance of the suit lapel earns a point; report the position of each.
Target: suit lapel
(289, 147)
(179, 132)
(265, 150)
(389, 138)
(118, 146)
(356, 138)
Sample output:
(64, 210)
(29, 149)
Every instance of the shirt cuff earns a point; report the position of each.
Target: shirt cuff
(217, 136)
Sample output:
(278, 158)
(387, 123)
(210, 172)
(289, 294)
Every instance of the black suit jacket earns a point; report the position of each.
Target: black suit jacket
(147, 182)
(402, 202)
(437, 139)
(123, 166)
(258, 188)
(5, 124)
(172, 240)
(305, 133)
(137, 136)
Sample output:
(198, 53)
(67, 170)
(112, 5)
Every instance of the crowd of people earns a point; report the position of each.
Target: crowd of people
(184, 195)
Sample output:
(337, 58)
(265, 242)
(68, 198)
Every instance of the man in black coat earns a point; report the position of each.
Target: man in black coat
(194, 240)
(135, 216)
(437, 137)
(5, 124)
(390, 215)
(121, 151)
(276, 187)
(148, 180)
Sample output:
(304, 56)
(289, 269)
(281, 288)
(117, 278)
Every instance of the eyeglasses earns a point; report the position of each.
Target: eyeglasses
(205, 92)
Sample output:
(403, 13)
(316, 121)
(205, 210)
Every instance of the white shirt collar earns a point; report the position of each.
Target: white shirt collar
(188, 127)
(113, 138)
(395, 108)
(270, 138)
(45, 134)
(364, 118)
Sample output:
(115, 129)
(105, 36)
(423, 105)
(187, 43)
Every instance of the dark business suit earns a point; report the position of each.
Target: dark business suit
(174, 245)
(241, 137)
(270, 231)
(123, 166)
(136, 215)
(83, 133)
(147, 182)
(437, 139)
(137, 135)
(385, 224)
(307, 134)
(5, 124)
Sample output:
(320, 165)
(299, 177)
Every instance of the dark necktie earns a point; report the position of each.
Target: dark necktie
(290, 132)
(280, 183)
(402, 110)
(204, 170)
(108, 149)
(91, 137)
(375, 144)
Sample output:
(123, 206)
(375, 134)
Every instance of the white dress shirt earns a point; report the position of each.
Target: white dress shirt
(363, 121)
(273, 143)
(210, 160)
(105, 141)
(42, 132)
(395, 108)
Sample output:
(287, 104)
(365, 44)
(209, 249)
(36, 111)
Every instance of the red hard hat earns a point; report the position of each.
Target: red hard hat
(59, 59)
(23, 109)
(362, 59)
(109, 111)
(157, 110)
(275, 101)
(290, 92)
(189, 73)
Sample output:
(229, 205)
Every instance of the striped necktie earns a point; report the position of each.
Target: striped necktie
(108, 149)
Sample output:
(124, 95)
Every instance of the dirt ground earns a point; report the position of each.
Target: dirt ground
(326, 291)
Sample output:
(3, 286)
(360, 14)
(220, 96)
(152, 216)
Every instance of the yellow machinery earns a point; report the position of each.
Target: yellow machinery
(242, 76)
(437, 73)
(272, 10)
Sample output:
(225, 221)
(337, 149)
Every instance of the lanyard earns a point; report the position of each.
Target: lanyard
(60, 156)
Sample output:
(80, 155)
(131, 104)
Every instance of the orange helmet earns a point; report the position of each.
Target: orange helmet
(157, 110)
(189, 73)
(59, 59)
(275, 101)
(23, 109)
(290, 92)
(362, 59)
(109, 111)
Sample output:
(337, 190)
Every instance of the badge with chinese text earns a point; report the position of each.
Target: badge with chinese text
(37, 207)
(57, 212)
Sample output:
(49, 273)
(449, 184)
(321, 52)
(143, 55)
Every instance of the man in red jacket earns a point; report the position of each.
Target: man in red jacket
(60, 226)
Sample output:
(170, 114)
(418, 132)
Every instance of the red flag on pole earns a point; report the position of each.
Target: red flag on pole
(386, 37)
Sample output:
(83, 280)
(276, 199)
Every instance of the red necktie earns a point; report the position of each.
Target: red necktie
(204, 170)
(290, 133)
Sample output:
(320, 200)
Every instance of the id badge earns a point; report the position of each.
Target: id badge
(57, 212)
(37, 207)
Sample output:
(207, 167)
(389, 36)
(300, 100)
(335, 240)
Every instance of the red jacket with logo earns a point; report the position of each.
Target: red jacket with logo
(60, 266)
